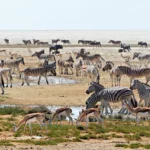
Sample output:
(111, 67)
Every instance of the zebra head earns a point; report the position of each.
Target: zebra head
(134, 84)
(94, 87)
(109, 65)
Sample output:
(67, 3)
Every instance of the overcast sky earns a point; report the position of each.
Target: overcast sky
(75, 14)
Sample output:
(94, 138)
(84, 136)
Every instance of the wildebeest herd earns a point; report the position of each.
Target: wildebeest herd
(90, 65)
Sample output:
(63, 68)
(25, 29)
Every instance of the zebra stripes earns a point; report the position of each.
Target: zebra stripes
(1, 83)
(106, 95)
(39, 71)
(133, 73)
(14, 64)
(143, 91)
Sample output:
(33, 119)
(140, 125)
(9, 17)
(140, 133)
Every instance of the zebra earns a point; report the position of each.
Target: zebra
(6, 72)
(2, 63)
(114, 95)
(143, 58)
(68, 63)
(40, 55)
(2, 84)
(133, 73)
(39, 71)
(112, 71)
(143, 91)
(78, 66)
(12, 64)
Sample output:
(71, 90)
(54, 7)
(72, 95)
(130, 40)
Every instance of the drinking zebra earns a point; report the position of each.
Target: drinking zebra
(133, 73)
(14, 64)
(143, 58)
(106, 95)
(143, 91)
(40, 55)
(6, 73)
(39, 71)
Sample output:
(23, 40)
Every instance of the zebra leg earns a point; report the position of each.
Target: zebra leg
(2, 89)
(46, 80)
(140, 101)
(26, 79)
(39, 80)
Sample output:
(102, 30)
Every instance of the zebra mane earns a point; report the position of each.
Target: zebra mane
(123, 67)
(144, 84)
(97, 84)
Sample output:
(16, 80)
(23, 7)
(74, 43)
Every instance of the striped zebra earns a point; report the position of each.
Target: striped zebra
(143, 58)
(143, 91)
(39, 71)
(106, 95)
(2, 63)
(6, 73)
(2, 83)
(133, 73)
(40, 55)
(14, 64)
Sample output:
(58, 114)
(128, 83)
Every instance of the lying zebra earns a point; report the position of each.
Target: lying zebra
(106, 95)
(39, 71)
(143, 58)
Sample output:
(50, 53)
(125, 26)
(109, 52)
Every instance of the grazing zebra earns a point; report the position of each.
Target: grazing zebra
(112, 71)
(143, 58)
(14, 63)
(2, 83)
(133, 73)
(113, 94)
(68, 63)
(143, 91)
(40, 55)
(141, 43)
(114, 42)
(39, 71)
(6, 72)
(6, 41)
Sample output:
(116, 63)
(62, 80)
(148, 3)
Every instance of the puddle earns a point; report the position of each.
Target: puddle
(51, 80)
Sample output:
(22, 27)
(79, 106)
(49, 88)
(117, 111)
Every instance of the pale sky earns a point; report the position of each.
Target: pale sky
(74, 14)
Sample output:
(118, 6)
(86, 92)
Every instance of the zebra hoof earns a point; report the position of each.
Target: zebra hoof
(2, 93)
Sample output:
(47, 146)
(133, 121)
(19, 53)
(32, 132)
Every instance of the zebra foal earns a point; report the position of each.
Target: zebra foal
(39, 71)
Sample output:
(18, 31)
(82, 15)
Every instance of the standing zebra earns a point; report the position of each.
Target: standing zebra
(6, 72)
(40, 55)
(39, 71)
(15, 63)
(143, 91)
(143, 58)
(113, 94)
(134, 73)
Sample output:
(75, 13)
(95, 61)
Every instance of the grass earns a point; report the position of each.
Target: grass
(5, 143)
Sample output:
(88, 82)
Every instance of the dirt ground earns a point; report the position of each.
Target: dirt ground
(64, 95)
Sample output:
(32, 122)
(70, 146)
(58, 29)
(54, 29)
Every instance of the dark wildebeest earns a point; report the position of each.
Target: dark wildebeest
(26, 42)
(125, 46)
(96, 44)
(55, 41)
(55, 48)
(80, 41)
(65, 41)
(6, 41)
(114, 42)
(35, 41)
(141, 43)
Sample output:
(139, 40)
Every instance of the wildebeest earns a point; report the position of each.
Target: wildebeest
(96, 44)
(6, 41)
(84, 41)
(141, 43)
(26, 42)
(55, 48)
(125, 46)
(114, 42)
(65, 41)
(35, 41)
(55, 41)
(80, 41)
